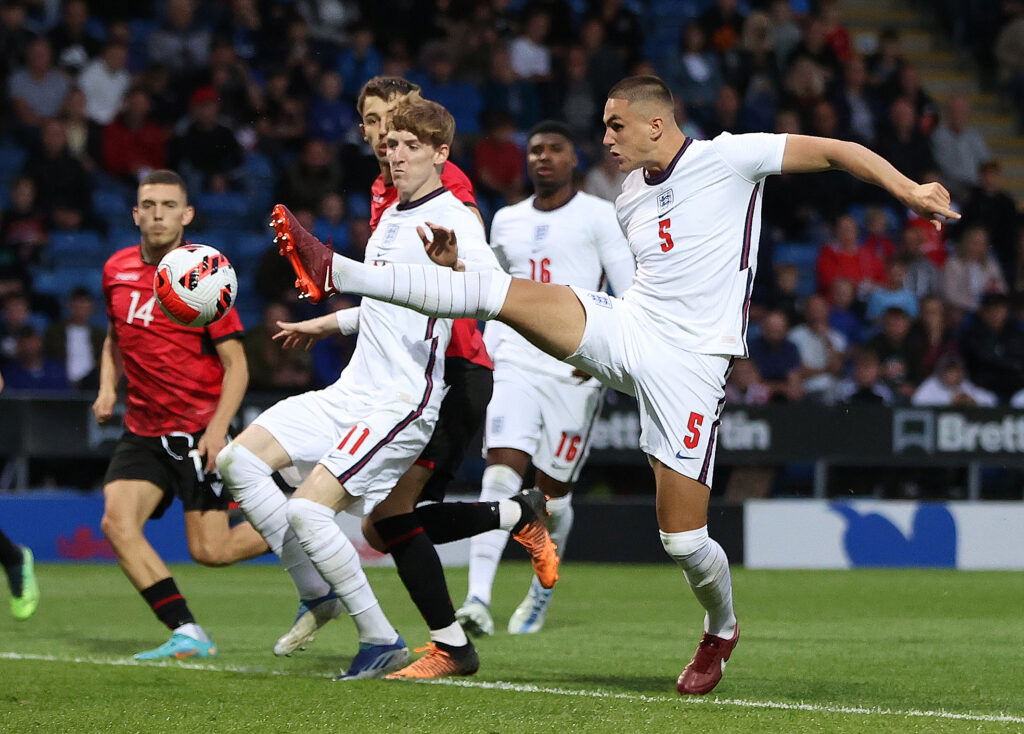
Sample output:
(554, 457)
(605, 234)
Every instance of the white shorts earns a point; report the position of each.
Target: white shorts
(367, 447)
(680, 393)
(548, 418)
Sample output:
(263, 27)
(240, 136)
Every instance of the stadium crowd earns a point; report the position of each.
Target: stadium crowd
(254, 101)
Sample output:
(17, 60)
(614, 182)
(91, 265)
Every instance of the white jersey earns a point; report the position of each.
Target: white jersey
(579, 243)
(400, 353)
(694, 230)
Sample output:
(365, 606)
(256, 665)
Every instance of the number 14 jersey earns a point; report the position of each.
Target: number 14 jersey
(173, 371)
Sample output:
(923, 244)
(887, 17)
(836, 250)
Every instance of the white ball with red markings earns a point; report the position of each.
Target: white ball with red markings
(195, 285)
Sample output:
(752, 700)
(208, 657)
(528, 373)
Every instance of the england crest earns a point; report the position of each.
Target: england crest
(665, 199)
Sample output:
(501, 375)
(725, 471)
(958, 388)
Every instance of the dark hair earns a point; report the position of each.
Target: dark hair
(553, 127)
(428, 121)
(991, 300)
(165, 176)
(80, 292)
(644, 88)
(385, 87)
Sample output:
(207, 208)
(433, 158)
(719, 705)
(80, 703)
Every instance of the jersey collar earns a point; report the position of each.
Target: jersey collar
(422, 200)
(663, 176)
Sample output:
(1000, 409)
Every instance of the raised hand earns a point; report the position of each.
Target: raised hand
(299, 334)
(931, 201)
(443, 249)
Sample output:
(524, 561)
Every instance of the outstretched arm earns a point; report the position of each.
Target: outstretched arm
(807, 154)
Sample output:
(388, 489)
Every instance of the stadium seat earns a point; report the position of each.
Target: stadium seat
(358, 206)
(228, 210)
(112, 206)
(250, 246)
(84, 248)
(12, 158)
(222, 239)
(805, 257)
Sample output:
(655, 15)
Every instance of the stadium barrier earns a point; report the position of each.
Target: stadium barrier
(46, 427)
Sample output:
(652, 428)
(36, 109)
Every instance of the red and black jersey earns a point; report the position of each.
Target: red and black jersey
(467, 341)
(174, 373)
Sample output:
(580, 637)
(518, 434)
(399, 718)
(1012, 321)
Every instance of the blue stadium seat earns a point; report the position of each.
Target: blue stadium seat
(12, 158)
(805, 257)
(250, 246)
(222, 239)
(83, 249)
(90, 278)
(358, 206)
(228, 210)
(113, 206)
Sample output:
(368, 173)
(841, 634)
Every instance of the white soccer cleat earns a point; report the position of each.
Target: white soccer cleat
(310, 618)
(530, 614)
(475, 618)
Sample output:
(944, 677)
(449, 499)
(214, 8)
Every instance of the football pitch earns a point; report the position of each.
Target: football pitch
(854, 651)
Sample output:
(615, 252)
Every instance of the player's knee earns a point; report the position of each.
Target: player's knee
(686, 543)
(233, 465)
(118, 528)
(208, 554)
(300, 514)
(372, 536)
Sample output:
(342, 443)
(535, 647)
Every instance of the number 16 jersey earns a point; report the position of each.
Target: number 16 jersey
(173, 371)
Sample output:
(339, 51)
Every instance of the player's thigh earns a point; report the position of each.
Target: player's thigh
(129, 503)
(518, 461)
(405, 495)
(549, 316)
(568, 414)
(514, 413)
(608, 348)
(681, 396)
(298, 430)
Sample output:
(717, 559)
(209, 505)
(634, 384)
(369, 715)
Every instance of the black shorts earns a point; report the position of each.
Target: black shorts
(462, 413)
(173, 465)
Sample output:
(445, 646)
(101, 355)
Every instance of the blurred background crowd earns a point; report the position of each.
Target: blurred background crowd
(253, 102)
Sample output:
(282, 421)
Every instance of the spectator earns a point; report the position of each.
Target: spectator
(180, 43)
(853, 103)
(606, 65)
(814, 47)
(206, 148)
(822, 350)
(238, 92)
(777, 358)
(726, 114)
(331, 226)
(902, 144)
(993, 348)
(72, 42)
(698, 75)
(500, 162)
(891, 293)
(604, 179)
(330, 116)
(37, 90)
(722, 25)
(311, 177)
(462, 99)
(1009, 53)
(959, 148)
(895, 351)
(921, 277)
(842, 314)
(885, 63)
(31, 369)
(622, 28)
(933, 240)
(23, 232)
(529, 58)
(15, 36)
(931, 337)
(75, 342)
(785, 33)
(877, 224)
(504, 93)
(950, 386)
(909, 87)
(580, 108)
(803, 87)
(865, 387)
(134, 145)
(836, 34)
(972, 272)
(360, 61)
(105, 81)
(757, 76)
(60, 180)
(84, 136)
(16, 317)
(282, 121)
(990, 207)
(783, 295)
(845, 258)
(272, 368)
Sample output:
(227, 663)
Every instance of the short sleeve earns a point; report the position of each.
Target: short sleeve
(753, 155)
(227, 327)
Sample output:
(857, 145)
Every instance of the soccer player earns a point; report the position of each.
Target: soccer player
(184, 387)
(542, 410)
(691, 213)
(21, 575)
(362, 434)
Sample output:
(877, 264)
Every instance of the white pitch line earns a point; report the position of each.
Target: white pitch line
(528, 688)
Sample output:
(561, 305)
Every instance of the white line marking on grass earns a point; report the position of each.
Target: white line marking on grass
(527, 688)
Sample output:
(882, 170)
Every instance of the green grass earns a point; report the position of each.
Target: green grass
(899, 640)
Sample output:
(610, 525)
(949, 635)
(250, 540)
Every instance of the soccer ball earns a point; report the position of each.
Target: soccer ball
(195, 285)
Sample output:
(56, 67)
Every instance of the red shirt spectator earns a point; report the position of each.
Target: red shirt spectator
(846, 259)
(132, 143)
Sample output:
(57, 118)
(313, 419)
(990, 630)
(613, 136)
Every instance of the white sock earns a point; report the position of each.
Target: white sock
(338, 562)
(560, 522)
(707, 570)
(429, 289)
(499, 483)
(509, 513)
(194, 631)
(248, 478)
(452, 635)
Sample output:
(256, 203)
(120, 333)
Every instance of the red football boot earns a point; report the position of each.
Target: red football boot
(708, 664)
(310, 258)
